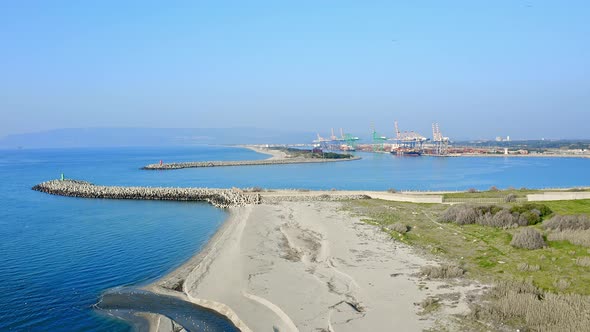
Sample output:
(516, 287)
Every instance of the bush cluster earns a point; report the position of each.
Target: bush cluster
(528, 238)
(399, 227)
(540, 209)
(562, 223)
(495, 216)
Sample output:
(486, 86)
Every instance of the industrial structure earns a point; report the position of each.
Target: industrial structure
(407, 143)
(403, 143)
(346, 142)
(378, 140)
(441, 143)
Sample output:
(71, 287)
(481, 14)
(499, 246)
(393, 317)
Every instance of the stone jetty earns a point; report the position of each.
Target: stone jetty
(193, 164)
(222, 198)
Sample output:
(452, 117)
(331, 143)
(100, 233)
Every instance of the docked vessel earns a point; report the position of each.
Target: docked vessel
(406, 152)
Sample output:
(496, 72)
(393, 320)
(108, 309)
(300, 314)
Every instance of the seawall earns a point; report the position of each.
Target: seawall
(196, 164)
(222, 198)
(558, 196)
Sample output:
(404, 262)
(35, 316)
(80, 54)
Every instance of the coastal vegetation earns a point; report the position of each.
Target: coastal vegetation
(536, 256)
(314, 154)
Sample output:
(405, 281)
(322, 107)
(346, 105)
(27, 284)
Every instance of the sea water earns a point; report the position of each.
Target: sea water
(58, 254)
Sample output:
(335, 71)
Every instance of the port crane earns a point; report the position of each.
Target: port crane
(345, 142)
(441, 143)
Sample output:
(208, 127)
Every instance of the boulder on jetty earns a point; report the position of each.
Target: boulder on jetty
(194, 164)
(222, 198)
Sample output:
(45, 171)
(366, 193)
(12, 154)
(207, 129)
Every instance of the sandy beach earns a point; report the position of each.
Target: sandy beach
(274, 154)
(309, 266)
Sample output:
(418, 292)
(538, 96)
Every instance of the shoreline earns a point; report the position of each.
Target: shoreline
(195, 267)
(230, 298)
(227, 277)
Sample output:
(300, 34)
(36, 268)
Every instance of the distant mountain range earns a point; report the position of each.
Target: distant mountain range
(113, 137)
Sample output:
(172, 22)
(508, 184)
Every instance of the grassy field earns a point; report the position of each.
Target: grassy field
(502, 193)
(581, 206)
(492, 193)
(485, 252)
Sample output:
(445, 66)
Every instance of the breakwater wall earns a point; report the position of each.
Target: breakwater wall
(195, 164)
(558, 196)
(222, 198)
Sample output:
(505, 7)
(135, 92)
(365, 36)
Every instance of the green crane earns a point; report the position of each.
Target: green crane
(378, 141)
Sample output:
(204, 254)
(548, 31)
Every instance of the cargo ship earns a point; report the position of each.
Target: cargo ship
(406, 152)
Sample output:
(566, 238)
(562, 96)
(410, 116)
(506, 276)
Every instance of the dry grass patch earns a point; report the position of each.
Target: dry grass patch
(570, 222)
(429, 305)
(445, 271)
(581, 238)
(528, 238)
(562, 284)
(528, 267)
(583, 261)
(399, 227)
(525, 307)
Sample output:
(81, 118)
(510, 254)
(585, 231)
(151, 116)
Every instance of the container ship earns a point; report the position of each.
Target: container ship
(406, 152)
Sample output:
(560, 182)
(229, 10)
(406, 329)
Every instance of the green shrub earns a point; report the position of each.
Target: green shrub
(531, 218)
(544, 210)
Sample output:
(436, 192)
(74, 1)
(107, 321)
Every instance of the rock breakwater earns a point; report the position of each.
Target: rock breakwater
(222, 198)
(196, 164)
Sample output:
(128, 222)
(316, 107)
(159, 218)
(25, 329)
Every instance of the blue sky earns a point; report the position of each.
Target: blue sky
(479, 68)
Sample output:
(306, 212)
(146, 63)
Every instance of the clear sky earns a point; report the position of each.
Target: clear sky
(479, 68)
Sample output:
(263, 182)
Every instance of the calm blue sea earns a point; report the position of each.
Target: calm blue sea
(58, 254)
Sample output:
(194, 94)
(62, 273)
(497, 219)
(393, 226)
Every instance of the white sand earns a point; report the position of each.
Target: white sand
(310, 267)
(275, 154)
